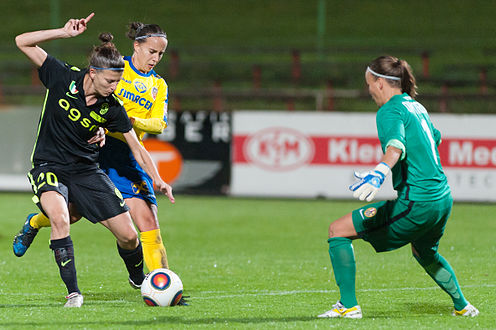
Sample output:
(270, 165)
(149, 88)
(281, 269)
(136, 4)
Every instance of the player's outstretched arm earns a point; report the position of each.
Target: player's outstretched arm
(145, 161)
(28, 42)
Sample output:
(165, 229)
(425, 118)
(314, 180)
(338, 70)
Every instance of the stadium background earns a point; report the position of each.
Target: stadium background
(225, 56)
(306, 45)
(253, 263)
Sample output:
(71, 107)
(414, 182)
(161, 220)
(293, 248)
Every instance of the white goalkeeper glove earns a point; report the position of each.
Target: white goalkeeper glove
(369, 182)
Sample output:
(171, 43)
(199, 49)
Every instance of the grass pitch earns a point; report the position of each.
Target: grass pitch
(246, 263)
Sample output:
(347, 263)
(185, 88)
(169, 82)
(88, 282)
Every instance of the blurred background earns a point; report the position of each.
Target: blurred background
(264, 55)
(277, 54)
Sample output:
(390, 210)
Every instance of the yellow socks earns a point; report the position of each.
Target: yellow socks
(153, 250)
(39, 220)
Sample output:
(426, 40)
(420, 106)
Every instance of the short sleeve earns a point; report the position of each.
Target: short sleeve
(120, 121)
(437, 135)
(51, 71)
(390, 127)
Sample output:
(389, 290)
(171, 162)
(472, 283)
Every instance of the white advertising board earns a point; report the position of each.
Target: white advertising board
(305, 154)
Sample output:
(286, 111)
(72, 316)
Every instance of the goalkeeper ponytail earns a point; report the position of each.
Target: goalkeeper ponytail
(396, 72)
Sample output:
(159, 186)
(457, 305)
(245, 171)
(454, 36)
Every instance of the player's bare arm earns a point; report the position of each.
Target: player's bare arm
(28, 42)
(145, 161)
(392, 156)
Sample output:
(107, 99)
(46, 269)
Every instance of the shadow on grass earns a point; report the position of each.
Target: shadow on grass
(431, 308)
(167, 320)
(40, 305)
(406, 310)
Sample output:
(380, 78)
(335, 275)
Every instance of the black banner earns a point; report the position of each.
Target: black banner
(204, 141)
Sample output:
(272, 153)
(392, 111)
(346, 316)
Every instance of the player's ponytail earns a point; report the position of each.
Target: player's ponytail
(396, 72)
(140, 32)
(106, 55)
(408, 82)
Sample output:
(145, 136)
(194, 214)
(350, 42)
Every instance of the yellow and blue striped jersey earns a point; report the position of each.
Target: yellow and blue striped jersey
(145, 98)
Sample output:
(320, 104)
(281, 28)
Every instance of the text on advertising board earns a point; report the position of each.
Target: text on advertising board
(286, 149)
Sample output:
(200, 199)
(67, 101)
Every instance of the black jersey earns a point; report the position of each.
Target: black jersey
(66, 122)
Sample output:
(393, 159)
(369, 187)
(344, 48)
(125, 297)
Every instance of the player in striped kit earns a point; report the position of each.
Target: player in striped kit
(419, 214)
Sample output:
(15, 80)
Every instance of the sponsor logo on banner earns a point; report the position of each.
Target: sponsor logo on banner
(278, 149)
(282, 148)
(166, 157)
(475, 153)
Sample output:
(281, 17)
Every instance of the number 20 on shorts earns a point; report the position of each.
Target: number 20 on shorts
(43, 179)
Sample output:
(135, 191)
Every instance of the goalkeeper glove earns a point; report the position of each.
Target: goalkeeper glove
(369, 182)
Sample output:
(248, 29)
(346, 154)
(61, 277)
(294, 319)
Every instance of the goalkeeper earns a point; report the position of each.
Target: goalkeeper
(419, 215)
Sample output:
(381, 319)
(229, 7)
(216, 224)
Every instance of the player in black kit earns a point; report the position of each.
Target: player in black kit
(65, 177)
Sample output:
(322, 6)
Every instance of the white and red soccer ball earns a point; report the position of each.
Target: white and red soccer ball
(162, 287)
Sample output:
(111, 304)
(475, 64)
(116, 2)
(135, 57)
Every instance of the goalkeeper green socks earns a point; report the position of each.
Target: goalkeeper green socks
(442, 273)
(343, 264)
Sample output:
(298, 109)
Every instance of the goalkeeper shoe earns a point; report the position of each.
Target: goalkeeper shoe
(75, 299)
(338, 310)
(468, 310)
(23, 240)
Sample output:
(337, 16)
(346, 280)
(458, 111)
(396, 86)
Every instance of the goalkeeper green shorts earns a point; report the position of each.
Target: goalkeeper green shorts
(389, 225)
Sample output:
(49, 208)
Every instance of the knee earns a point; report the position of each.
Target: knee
(339, 229)
(343, 227)
(332, 230)
(59, 221)
(425, 258)
(129, 241)
(147, 223)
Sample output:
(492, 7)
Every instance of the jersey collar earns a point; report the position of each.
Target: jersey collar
(130, 62)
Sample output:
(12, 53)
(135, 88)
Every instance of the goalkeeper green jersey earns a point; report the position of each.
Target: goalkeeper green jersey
(405, 124)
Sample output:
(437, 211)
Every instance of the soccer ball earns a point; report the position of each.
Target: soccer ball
(162, 287)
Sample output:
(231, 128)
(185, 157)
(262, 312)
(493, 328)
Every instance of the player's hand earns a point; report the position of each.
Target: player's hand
(369, 182)
(98, 138)
(75, 27)
(166, 189)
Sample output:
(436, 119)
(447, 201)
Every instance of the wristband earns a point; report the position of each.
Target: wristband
(383, 168)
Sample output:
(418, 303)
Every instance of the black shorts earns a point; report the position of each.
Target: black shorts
(86, 186)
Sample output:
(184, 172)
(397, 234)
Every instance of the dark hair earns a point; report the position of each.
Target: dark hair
(394, 67)
(138, 29)
(106, 55)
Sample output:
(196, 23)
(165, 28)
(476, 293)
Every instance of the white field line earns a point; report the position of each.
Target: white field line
(215, 294)
(228, 294)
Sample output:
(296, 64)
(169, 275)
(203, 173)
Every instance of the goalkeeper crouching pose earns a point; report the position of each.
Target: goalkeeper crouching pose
(419, 215)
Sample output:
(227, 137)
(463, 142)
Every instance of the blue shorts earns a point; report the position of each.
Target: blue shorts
(118, 162)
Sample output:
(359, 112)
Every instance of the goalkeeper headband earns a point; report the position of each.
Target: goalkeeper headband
(111, 69)
(382, 75)
(163, 35)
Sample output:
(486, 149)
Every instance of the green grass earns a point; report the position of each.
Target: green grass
(246, 263)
